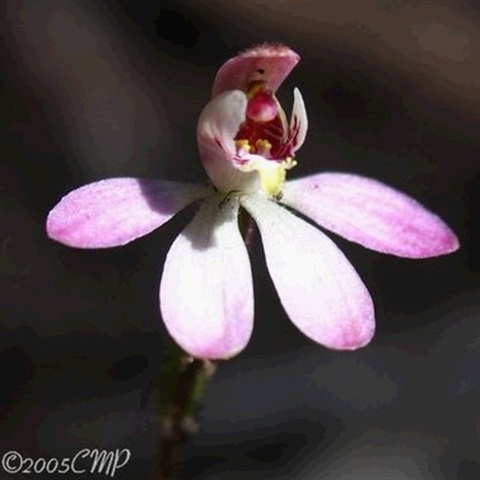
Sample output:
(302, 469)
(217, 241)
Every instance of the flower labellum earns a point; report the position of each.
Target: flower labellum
(247, 147)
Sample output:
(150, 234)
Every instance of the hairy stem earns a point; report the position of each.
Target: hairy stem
(183, 382)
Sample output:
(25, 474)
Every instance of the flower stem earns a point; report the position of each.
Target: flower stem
(182, 384)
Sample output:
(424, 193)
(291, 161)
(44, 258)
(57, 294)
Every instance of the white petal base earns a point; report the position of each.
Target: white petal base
(206, 292)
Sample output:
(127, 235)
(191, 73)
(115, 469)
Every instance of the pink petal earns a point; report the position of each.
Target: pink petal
(370, 213)
(116, 211)
(318, 287)
(268, 62)
(206, 292)
(217, 127)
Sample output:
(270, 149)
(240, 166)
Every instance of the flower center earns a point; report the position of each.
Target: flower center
(265, 134)
(265, 128)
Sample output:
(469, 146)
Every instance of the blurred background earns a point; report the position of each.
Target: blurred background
(114, 88)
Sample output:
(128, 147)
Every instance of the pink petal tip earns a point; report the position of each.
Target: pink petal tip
(269, 62)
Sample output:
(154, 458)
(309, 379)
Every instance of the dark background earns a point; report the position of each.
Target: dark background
(98, 89)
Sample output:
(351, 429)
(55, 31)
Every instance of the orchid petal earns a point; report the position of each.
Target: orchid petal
(114, 212)
(370, 213)
(217, 127)
(318, 287)
(269, 63)
(206, 292)
(298, 121)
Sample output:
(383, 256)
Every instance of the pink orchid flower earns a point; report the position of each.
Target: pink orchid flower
(247, 147)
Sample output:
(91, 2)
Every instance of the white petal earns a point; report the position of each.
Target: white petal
(298, 119)
(318, 287)
(206, 292)
(217, 127)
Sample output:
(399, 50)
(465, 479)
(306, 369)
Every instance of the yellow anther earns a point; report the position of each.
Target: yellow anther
(263, 147)
(244, 145)
(289, 163)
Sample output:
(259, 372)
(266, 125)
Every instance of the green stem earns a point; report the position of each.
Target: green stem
(182, 385)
